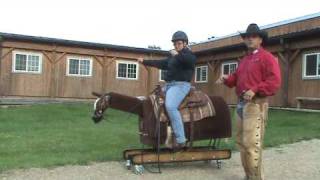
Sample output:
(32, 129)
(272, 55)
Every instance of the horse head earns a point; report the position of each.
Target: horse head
(100, 106)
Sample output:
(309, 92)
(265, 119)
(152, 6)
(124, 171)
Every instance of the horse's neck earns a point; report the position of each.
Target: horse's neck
(125, 103)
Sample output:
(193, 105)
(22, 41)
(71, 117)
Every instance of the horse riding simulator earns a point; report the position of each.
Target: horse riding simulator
(154, 133)
(170, 100)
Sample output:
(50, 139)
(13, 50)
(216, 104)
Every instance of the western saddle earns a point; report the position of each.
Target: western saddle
(193, 101)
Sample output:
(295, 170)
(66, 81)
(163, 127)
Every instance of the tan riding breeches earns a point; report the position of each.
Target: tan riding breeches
(250, 134)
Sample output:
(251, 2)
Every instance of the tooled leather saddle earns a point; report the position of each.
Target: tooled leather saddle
(196, 106)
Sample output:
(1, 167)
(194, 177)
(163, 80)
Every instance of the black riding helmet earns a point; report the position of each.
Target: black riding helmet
(180, 36)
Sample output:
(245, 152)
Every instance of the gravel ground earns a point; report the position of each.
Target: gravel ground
(288, 162)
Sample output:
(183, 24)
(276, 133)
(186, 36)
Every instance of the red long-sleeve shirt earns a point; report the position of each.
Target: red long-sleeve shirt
(258, 71)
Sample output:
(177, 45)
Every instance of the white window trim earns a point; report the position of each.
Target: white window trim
(160, 71)
(228, 63)
(26, 53)
(79, 58)
(304, 76)
(195, 77)
(127, 62)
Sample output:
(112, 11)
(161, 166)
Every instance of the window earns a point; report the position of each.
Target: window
(162, 74)
(27, 62)
(311, 66)
(229, 68)
(127, 70)
(201, 74)
(78, 66)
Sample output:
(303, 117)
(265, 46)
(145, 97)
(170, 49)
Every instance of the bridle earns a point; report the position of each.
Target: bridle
(103, 102)
(100, 105)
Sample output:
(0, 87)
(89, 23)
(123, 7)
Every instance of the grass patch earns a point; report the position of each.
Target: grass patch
(284, 127)
(59, 134)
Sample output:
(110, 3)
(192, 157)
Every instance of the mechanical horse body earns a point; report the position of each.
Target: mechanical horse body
(212, 128)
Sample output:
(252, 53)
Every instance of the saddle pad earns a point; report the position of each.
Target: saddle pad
(199, 112)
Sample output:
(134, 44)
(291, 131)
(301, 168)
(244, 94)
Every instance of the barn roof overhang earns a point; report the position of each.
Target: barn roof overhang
(271, 41)
(83, 44)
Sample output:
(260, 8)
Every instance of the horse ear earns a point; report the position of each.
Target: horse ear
(96, 94)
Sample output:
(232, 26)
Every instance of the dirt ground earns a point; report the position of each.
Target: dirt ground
(299, 161)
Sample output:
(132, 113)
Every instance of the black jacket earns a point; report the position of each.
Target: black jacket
(179, 67)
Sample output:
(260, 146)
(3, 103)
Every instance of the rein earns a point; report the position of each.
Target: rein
(135, 106)
(157, 91)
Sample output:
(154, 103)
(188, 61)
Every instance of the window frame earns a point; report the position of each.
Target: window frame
(127, 62)
(160, 72)
(228, 63)
(26, 53)
(79, 58)
(304, 61)
(195, 75)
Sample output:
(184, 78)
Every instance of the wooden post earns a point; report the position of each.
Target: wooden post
(53, 83)
(210, 66)
(104, 71)
(2, 56)
(149, 77)
(294, 55)
(287, 57)
(106, 63)
(51, 59)
(210, 77)
(54, 76)
(104, 74)
(284, 57)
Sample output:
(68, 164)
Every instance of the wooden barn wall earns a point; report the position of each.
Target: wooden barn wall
(214, 89)
(21, 84)
(299, 87)
(53, 82)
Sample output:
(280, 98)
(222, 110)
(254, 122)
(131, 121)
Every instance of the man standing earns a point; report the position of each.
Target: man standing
(257, 77)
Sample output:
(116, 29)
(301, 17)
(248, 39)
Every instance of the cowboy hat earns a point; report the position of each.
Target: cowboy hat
(253, 29)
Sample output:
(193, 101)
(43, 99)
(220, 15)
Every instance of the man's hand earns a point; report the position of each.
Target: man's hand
(140, 60)
(222, 79)
(248, 95)
(173, 52)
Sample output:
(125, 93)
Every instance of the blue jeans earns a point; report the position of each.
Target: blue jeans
(176, 91)
(240, 107)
